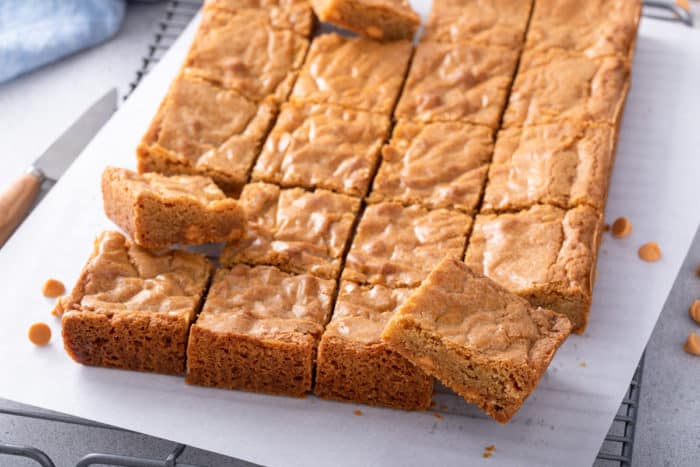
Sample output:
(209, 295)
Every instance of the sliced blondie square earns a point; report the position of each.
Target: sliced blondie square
(259, 330)
(355, 365)
(379, 19)
(132, 308)
(487, 344)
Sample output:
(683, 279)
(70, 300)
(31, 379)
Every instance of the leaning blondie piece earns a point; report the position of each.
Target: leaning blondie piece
(202, 129)
(258, 331)
(132, 308)
(556, 86)
(545, 254)
(379, 19)
(296, 230)
(355, 365)
(157, 210)
(565, 164)
(398, 246)
(295, 15)
(488, 345)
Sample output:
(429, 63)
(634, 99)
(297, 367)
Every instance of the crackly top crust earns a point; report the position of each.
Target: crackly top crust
(378, 19)
(594, 28)
(284, 14)
(347, 142)
(564, 164)
(439, 165)
(488, 22)
(486, 320)
(556, 86)
(296, 230)
(458, 82)
(123, 277)
(397, 246)
(544, 250)
(362, 311)
(241, 51)
(263, 301)
(356, 73)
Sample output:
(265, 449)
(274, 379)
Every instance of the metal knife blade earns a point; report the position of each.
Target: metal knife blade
(70, 144)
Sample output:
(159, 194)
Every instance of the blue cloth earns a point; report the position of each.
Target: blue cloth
(36, 32)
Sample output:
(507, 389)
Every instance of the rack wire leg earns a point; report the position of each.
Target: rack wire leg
(28, 452)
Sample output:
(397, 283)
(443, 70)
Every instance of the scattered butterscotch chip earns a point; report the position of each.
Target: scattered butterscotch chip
(491, 447)
(358, 412)
(39, 334)
(486, 454)
(438, 416)
(694, 311)
(650, 252)
(692, 345)
(53, 288)
(622, 227)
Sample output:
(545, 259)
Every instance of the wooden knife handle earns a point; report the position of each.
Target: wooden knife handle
(15, 203)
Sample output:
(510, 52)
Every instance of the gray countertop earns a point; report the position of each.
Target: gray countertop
(668, 429)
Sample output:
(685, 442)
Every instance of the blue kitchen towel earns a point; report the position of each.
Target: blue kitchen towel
(36, 32)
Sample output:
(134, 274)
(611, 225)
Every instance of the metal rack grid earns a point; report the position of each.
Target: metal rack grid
(615, 451)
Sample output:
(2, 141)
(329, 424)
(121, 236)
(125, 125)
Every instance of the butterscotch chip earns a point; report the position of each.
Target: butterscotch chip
(556, 86)
(283, 14)
(458, 82)
(487, 344)
(650, 252)
(544, 254)
(594, 28)
(622, 227)
(438, 165)
(490, 447)
(357, 412)
(293, 229)
(356, 73)
(488, 22)
(53, 288)
(202, 129)
(692, 345)
(323, 146)
(159, 211)
(378, 19)
(39, 334)
(694, 311)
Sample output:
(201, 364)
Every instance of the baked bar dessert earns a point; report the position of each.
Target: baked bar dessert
(243, 52)
(488, 345)
(323, 146)
(295, 15)
(355, 365)
(458, 82)
(356, 73)
(293, 229)
(259, 330)
(545, 254)
(556, 86)
(487, 22)
(132, 308)
(157, 211)
(438, 165)
(397, 246)
(597, 28)
(201, 129)
(565, 164)
(379, 19)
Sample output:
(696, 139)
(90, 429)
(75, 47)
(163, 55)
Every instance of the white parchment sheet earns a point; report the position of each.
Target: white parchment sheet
(656, 183)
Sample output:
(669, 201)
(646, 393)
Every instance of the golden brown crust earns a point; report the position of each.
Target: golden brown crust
(397, 246)
(545, 254)
(564, 164)
(296, 230)
(486, 343)
(283, 14)
(437, 165)
(158, 211)
(378, 19)
(322, 146)
(356, 73)
(458, 82)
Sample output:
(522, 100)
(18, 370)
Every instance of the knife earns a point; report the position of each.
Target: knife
(16, 200)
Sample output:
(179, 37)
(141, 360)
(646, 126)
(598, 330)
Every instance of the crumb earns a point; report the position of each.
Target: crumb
(606, 227)
(582, 364)
(622, 227)
(39, 334)
(694, 311)
(358, 412)
(486, 454)
(438, 416)
(692, 345)
(491, 447)
(53, 288)
(650, 252)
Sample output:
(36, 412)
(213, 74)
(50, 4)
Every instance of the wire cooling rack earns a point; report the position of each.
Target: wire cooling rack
(616, 450)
